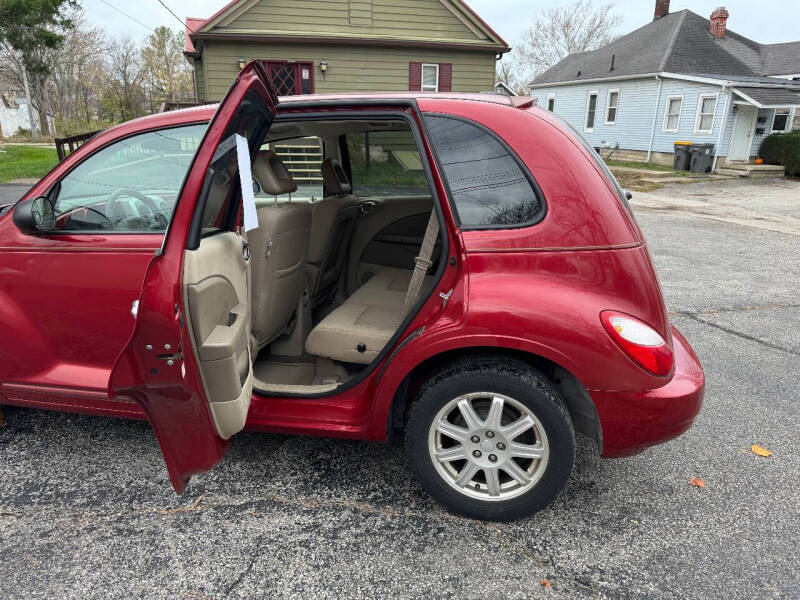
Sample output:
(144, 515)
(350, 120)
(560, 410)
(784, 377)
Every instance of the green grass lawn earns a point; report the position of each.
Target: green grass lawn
(33, 162)
(384, 173)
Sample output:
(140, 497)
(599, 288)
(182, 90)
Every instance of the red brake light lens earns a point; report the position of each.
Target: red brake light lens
(639, 341)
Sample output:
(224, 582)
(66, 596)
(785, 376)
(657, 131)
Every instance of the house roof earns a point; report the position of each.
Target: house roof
(197, 28)
(507, 87)
(680, 43)
(769, 97)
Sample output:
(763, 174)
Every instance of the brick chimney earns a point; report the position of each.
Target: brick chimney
(718, 19)
(662, 9)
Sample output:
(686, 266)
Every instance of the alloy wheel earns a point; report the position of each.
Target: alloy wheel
(488, 446)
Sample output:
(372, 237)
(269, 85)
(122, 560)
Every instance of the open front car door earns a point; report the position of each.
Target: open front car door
(188, 362)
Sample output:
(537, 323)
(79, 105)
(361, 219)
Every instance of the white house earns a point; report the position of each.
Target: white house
(680, 77)
(14, 115)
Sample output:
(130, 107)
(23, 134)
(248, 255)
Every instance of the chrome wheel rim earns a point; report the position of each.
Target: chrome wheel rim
(488, 446)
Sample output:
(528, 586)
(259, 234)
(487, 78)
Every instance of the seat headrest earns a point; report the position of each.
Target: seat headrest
(335, 179)
(272, 174)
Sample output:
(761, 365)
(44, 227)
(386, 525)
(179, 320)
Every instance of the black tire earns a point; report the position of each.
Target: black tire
(509, 377)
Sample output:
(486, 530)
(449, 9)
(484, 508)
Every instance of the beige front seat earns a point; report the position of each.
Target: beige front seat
(278, 247)
(332, 225)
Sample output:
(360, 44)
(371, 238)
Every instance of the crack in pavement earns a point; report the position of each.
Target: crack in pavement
(695, 317)
(733, 309)
(726, 213)
(246, 571)
(85, 518)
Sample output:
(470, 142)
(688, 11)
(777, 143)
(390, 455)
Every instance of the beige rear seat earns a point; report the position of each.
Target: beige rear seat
(357, 331)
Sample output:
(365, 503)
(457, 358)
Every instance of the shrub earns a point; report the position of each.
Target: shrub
(782, 149)
(69, 127)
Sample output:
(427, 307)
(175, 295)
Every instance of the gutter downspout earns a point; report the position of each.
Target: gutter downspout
(722, 128)
(655, 118)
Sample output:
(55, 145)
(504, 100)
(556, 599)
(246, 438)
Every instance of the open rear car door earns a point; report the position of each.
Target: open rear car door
(188, 362)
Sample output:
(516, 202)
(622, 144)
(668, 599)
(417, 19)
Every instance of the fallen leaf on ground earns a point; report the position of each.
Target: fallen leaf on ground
(545, 583)
(697, 482)
(183, 509)
(760, 450)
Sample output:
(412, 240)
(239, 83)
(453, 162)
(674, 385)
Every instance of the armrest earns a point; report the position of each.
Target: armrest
(225, 341)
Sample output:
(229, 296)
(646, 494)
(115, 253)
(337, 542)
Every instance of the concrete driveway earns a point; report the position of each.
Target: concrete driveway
(86, 510)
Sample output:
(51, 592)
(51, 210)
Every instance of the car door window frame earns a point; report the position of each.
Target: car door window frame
(540, 214)
(52, 192)
(234, 199)
(401, 110)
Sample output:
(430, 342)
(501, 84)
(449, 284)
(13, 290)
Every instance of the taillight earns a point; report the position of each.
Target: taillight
(639, 341)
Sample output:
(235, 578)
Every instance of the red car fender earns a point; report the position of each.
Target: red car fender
(425, 347)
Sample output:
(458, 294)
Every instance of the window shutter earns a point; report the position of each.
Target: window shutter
(445, 77)
(415, 77)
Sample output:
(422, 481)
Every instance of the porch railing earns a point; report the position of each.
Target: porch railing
(67, 145)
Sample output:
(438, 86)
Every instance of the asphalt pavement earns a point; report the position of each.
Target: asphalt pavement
(86, 510)
(11, 192)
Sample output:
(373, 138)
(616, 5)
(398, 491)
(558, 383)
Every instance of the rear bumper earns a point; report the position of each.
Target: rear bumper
(632, 421)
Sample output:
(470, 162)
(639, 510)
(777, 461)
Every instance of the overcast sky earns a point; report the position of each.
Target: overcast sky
(765, 21)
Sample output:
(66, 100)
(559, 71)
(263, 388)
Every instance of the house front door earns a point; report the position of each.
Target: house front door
(291, 78)
(742, 137)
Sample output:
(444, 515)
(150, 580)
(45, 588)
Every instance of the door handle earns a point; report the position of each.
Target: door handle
(245, 251)
(367, 207)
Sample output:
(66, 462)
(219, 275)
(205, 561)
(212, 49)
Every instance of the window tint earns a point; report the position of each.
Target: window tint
(487, 185)
(386, 164)
(129, 186)
(251, 120)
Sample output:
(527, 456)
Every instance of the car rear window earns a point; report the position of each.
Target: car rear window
(488, 184)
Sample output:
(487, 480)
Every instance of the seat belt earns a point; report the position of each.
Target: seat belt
(421, 264)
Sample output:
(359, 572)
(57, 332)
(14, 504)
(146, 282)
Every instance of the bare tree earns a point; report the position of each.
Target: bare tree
(556, 32)
(123, 95)
(166, 70)
(77, 72)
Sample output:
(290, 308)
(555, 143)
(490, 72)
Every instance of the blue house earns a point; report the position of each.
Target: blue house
(679, 78)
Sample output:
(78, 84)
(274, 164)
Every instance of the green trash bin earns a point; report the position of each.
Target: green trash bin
(702, 158)
(683, 156)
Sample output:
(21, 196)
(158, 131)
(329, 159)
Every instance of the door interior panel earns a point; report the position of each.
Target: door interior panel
(389, 234)
(215, 288)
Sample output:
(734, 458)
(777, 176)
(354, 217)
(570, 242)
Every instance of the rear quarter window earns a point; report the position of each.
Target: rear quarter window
(489, 186)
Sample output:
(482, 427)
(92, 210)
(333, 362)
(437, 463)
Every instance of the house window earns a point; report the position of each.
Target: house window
(486, 181)
(780, 120)
(611, 106)
(551, 102)
(291, 78)
(430, 78)
(672, 114)
(591, 111)
(706, 107)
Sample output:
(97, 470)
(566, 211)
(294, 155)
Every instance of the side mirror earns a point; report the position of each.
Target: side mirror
(35, 215)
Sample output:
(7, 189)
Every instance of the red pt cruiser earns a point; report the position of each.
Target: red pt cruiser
(459, 270)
